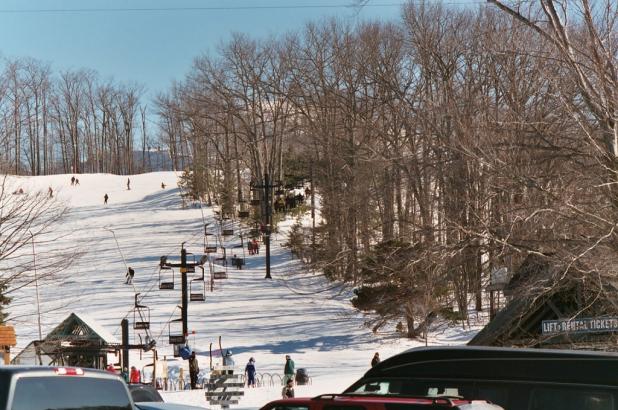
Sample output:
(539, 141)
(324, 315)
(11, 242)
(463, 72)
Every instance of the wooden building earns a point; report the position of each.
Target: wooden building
(77, 341)
(553, 307)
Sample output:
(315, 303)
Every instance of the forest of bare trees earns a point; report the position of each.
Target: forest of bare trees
(69, 122)
(442, 146)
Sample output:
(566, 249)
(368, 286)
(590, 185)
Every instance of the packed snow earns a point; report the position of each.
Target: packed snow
(298, 312)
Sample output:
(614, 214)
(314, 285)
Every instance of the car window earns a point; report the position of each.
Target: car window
(408, 387)
(145, 394)
(381, 387)
(570, 399)
(70, 393)
(290, 408)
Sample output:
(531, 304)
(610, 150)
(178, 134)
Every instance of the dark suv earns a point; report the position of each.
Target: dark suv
(42, 388)
(516, 379)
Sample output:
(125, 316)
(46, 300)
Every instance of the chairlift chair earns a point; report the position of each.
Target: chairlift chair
(176, 337)
(197, 291)
(166, 281)
(243, 214)
(220, 271)
(141, 316)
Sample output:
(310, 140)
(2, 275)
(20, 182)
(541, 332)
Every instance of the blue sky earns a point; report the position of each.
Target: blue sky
(152, 47)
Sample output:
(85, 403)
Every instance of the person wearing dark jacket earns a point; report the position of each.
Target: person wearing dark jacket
(288, 390)
(376, 359)
(250, 373)
(288, 369)
(105, 198)
(129, 275)
(194, 369)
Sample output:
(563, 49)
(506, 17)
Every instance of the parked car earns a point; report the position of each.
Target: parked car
(42, 388)
(146, 397)
(516, 379)
(353, 402)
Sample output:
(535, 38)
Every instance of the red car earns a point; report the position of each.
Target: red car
(352, 402)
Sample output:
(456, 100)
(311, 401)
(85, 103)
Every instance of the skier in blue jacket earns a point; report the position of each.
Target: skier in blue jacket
(250, 373)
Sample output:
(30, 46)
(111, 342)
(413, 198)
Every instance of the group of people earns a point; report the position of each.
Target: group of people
(289, 371)
(253, 247)
(288, 203)
(249, 372)
(74, 181)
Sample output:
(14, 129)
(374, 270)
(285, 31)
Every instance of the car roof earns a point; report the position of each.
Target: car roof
(20, 369)
(165, 406)
(509, 364)
(443, 401)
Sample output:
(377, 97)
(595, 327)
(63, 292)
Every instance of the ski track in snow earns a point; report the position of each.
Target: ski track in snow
(297, 312)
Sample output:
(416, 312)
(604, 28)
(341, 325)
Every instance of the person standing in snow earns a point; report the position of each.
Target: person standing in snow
(250, 373)
(134, 376)
(194, 369)
(50, 191)
(288, 390)
(125, 374)
(376, 359)
(73, 180)
(128, 184)
(76, 181)
(288, 369)
(105, 198)
(129, 275)
(162, 185)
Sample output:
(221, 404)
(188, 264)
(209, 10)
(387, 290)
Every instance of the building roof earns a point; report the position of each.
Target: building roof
(82, 326)
(541, 291)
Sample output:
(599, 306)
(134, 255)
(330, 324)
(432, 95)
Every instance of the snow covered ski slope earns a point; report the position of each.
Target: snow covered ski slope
(296, 313)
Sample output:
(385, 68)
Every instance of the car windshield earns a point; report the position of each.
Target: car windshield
(70, 393)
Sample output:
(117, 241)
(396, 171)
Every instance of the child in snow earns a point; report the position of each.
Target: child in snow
(288, 390)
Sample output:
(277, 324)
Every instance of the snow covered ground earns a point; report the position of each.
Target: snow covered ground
(297, 312)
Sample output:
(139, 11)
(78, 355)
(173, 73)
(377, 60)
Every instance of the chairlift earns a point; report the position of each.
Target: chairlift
(243, 214)
(219, 271)
(228, 232)
(166, 281)
(177, 337)
(197, 291)
(141, 316)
